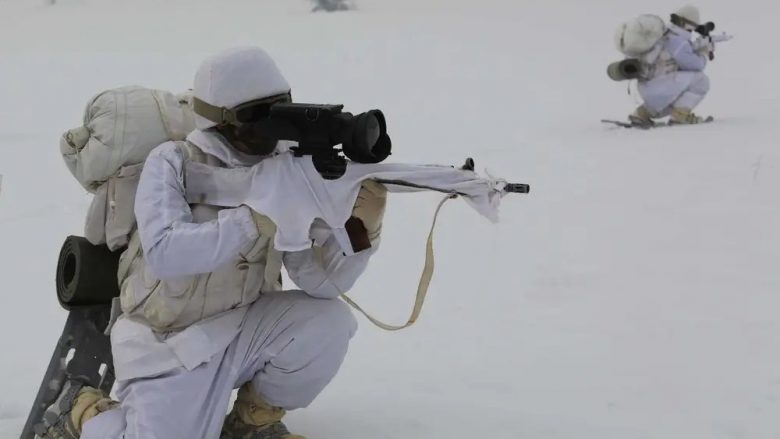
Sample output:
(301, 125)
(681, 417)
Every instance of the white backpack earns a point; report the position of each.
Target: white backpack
(638, 36)
(106, 154)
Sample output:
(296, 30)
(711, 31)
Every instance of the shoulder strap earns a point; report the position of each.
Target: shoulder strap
(191, 152)
(422, 286)
(128, 256)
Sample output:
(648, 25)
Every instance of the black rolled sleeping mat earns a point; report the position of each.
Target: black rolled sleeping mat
(86, 273)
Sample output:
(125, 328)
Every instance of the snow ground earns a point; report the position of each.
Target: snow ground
(632, 294)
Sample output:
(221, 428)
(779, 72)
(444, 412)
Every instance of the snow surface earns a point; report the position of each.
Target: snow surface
(632, 294)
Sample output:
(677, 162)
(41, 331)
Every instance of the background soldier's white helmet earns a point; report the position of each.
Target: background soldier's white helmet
(690, 14)
(236, 76)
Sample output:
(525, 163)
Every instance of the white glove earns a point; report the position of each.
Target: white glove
(703, 45)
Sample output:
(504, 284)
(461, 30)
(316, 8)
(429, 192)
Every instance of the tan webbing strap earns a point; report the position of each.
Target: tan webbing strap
(422, 287)
(273, 261)
(127, 258)
(133, 248)
(218, 115)
(222, 115)
(191, 152)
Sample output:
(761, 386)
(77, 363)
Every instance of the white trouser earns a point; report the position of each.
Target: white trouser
(290, 347)
(675, 90)
(700, 86)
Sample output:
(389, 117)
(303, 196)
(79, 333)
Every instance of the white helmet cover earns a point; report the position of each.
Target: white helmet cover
(689, 13)
(236, 76)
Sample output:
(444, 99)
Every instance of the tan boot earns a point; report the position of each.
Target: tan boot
(642, 117)
(253, 418)
(76, 405)
(685, 116)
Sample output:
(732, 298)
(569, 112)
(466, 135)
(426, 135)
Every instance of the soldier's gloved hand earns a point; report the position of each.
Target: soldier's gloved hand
(358, 236)
(703, 46)
(370, 207)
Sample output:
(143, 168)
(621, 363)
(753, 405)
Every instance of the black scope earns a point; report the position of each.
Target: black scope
(318, 128)
(705, 29)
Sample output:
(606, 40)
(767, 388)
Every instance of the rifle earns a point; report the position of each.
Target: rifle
(705, 30)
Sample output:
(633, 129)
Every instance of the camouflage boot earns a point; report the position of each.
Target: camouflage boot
(642, 117)
(253, 418)
(75, 406)
(684, 116)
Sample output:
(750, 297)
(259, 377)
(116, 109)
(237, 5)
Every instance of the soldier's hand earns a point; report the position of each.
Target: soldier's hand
(358, 236)
(370, 207)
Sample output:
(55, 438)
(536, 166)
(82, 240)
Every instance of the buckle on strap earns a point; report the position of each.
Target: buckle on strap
(229, 116)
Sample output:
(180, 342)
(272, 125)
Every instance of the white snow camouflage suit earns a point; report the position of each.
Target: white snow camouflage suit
(677, 75)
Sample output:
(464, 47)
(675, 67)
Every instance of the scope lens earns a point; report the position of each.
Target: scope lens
(367, 141)
(372, 130)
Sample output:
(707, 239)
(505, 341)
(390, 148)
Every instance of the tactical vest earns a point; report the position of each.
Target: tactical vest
(659, 61)
(172, 305)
